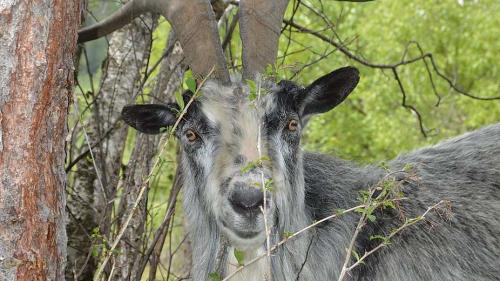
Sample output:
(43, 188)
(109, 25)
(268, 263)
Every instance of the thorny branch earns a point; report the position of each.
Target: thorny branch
(398, 230)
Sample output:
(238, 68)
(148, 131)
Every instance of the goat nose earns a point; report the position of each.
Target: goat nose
(246, 199)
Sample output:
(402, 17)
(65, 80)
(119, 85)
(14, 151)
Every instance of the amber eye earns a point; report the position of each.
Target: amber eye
(293, 125)
(191, 135)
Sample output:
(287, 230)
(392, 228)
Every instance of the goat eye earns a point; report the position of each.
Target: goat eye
(191, 135)
(293, 125)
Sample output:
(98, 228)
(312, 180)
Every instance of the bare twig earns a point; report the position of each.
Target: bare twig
(399, 229)
(144, 186)
(263, 184)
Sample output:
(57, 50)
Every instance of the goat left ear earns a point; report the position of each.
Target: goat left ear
(150, 118)
(328, 91)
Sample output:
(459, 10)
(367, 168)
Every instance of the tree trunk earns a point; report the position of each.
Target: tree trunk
(37, 39)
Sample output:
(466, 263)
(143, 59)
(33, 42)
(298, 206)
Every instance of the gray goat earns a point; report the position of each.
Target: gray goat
(219, 137)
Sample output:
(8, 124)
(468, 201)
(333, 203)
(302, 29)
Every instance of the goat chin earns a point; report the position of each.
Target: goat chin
(244, 244)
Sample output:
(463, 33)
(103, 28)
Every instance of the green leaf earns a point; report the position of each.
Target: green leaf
(165, 129)
(179, 100)
(253, 90)
(95, 251)
(268, 185)
(191, 84)
(408, 167)
(381, 237)
(254, 164)
(248, 167)
(215, 276)
(389, 204)
(240, 256)
(264, 158)
(356, 255)
(287, 234)
(371, 218)
(269, 72)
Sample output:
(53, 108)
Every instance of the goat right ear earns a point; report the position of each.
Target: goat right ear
(150, 118)
(328, 91)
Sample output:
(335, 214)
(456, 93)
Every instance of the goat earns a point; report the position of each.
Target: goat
(218, 138)
(226, 135)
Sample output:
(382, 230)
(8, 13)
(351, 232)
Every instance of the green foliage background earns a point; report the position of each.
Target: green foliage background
(372, 125)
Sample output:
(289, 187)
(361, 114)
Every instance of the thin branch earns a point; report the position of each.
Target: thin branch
(408, 106)
(144, 186)
(393, 233)
(305, 259)
(367, 63)
(230, 30)
(87, 151)
(159, 236)
(361, 223)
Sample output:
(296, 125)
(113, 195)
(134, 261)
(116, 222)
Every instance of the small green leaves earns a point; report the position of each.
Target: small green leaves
(408, 167)
(179, 100)
(215, 276)
(268, 185)
(166, 129)
(384, 239)
(240, 256)
(287, 234)
(389, 204)
(355, 255)
(253, 89)
(95, 250)
(269, 72)
(371, 218)
(253, 164)
(191, 84)
(247, 168)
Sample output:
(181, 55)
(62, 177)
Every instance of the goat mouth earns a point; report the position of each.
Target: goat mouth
(241, 234)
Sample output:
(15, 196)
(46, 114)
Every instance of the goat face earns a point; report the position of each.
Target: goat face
(233, 145)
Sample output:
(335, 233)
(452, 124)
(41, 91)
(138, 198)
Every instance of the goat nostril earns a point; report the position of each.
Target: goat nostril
(246, 199)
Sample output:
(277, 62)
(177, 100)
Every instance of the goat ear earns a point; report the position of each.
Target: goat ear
(328, 91)
(150, 118)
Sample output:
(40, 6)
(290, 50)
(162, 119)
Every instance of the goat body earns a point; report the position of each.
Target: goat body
(462, 246)
(224, 136)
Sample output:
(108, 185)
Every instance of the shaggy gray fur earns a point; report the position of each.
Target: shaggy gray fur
(306, 187)
(464, 170)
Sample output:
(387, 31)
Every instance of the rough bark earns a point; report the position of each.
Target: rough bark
(37, 42)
